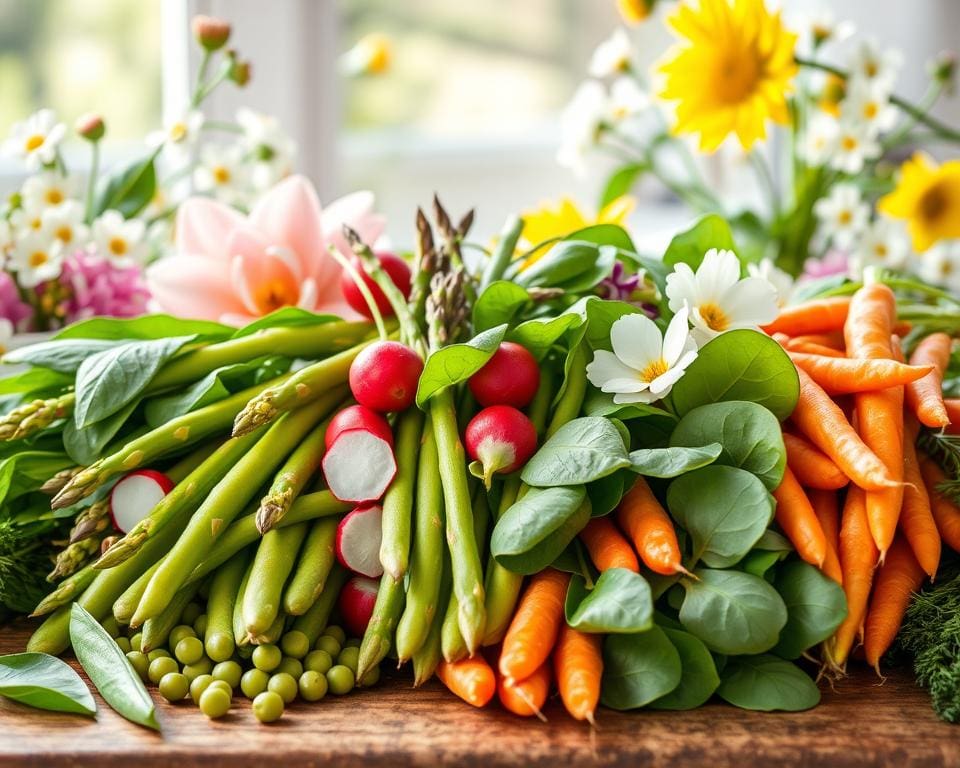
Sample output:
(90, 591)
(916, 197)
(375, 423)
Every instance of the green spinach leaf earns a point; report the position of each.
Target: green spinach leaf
(816, 606)
(689, 247)
(44, 682)
(671, 462)
(638, 669)
(581, 451)
(619, 602)
(501, 302)
(767, 683)
(458, 362)
(698, 677)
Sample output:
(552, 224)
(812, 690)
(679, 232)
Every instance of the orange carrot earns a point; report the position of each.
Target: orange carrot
(916, 518)
(526, 697)
(651, 530)
(925, 397)
(796, 517)
(811, 348)
(533, 630)
(826, 508)
(842, 375)
(945, 512)
(471, 679)
(815, 316)
(858, 556)
(813, 468)
(880, 423)
(607, 546)
(832, 340)
(869, 323)
(952, 405)
(896, 580)
(578, 663)
(823, 423)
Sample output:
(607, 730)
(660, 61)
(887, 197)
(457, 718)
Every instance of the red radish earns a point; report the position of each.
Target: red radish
(384, 376)
(357, 417)
(501, 438)
(510, 377)
(395, 267)
(135, 496)
(356, 602)
(358, 540)
(359, 466)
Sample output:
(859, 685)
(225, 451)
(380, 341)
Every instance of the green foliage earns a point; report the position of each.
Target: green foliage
(43, 681)
(581, 451)
(638, 669)
(620, 602)
(457, 362)
(767, 683)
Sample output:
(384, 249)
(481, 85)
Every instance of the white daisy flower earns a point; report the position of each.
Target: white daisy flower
(269, 148)
(6, 335)
(223, 174)
(36, 259)
(6, 239)
(843, 214)
(580, 124)
(718, 299)
(25, 220)
(120, 240)
(867, 104)
(46, 189)
(644, 364)
(627, 98)
(940, 265)
(824, 28)
(781, 281)
(36, 139)
(856, 143)
(179, 136)
(884, 243)
(875, 64)
(612, 56)
(65, 223)
(820, 138)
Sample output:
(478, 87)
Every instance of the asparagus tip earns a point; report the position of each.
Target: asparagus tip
(272, 508)
(256, 413)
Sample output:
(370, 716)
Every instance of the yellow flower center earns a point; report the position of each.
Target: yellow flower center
(739, 74)
(849, 143)
(845, 217)
(221, 175)
(38, 259)
(118, 246)
(871, 69)
(880, 251)
(275, 295)
(655, 369)
(34, 142)
(178, 132)
(934, 203)
(64, 234)
(715, 318)
(870, 110)
(53, 196)
(36, 223)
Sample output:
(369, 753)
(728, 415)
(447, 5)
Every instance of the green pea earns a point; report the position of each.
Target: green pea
(371, 678)
(254, 682)
(178, 633)
(268, 707)
(267, 657)
(190, 613)
(200, 625)
(198, 685)
(158, 653)
(295, 643)
(161, 666)
(112, 626)
(220, 646)
(140, 663)
(223, 684)
(228, 671)
(329, 644)
(174, 686)
(312, 686)
(336, 632)
(293, 667)
(123, 643)
(340, 679)
(353, 642)
(283, 684)
(202, 667)
(189, 650)
(135, 641)
(214, 702)
(318, 661)
(349, 657)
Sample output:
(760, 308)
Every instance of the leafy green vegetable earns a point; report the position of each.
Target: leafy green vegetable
(750, 435)
(597, 403)
(724, 509)
(43, 681)
(732, 612)
(575, 266)
(85, 445)
(581, 451)
(540, 334)
(670, 462)
(698, 679)
(638, 669)
(500, 303)
(621, 182)
(767, 683)
(26, 471)
(619, 602)
(109, 670)
(739, 365)
(64, 355)
(33, 383)
(145, 327)
(25, 556)
(606, 492)
(604, 234)
(816, 606)
(286, 317)
(689, 247)
(457, 362)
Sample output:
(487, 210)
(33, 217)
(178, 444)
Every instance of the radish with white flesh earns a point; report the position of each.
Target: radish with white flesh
(356, 602)
(384, 376)
(395, 267)
(359, 466)
(358, 541)
(135, 496)
(502, 439)
(510, 377)
(358, 417)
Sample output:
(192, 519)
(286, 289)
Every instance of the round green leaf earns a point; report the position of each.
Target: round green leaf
(670, 462)
(698, 677)
(638, 669)
(619, 602)
(816, 606)
(457, 362)
(767, 683)
(581, 451)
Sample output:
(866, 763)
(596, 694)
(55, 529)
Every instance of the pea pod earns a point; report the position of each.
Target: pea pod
(156, 630)
(398, 503)
(315, 620)
(315, 563)
(272, 564)
(224, 588)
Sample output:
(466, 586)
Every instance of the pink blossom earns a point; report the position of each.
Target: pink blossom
(833, 263)
(12, 307)
(233, 268)
(94, 286)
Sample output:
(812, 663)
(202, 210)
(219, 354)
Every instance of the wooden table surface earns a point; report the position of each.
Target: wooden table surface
(860, 723)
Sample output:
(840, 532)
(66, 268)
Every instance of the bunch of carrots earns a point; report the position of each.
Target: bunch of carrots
(858, 500)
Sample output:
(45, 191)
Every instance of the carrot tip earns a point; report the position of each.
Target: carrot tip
(590, 719)
(683, 571)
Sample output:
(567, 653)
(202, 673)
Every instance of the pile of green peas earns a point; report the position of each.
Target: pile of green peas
(271, 676)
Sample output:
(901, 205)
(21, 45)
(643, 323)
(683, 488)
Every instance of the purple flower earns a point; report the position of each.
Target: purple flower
(12, 307)
(94, 286)
(618, 285)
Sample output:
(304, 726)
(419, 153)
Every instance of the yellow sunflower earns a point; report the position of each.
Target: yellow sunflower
(928, 197)
(733, 72)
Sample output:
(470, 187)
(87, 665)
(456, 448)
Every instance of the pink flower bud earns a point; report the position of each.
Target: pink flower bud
(212, 33)
(90, 126)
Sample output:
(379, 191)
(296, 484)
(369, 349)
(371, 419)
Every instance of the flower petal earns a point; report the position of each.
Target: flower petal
(636, 340)
(676, 336)
(606, 367)
(289, 215)
(646, 396)
(204, 226)
(187, 286)
(355, 210)
(719, 270)
(681, 287)
(752, 302)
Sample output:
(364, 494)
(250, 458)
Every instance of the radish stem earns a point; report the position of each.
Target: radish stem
(363, 288)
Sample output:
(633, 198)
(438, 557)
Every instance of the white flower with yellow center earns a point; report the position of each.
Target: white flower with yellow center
(843, 214)
(884, 243)
(36, 139)
(781, 281)
(627, 98)
(45, 190)
(718, 299)
(223, 174)
(269, 149)
(6, 239)
(36, 259)
(119, 240)
(644, 364)
(25, 220)
(65, 223)
(580, 124)
(612, 56)
(940, 265)
(868, 104)
(856, 143)
(371, 55)
(823, 28)
(820, 138)
(877, 65)
(179, 136)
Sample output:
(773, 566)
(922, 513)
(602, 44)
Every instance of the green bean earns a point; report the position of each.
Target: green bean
(272, 564)
(126, 605)
(156, 629)
(224, 587)
(314, 621)
(427, 657)
(398, 502)
(313, 567)
(383, 622)
(239, 627)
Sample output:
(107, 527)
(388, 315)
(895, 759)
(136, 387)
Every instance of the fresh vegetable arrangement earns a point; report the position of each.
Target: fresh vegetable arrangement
(501, 480)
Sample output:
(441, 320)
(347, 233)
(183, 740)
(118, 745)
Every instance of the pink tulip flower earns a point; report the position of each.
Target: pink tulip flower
(235, 268)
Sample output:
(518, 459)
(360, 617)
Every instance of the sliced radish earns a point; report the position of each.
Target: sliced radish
(356, 602)
(358, 417)
(358, 541)
(359, 466)
(135, 496)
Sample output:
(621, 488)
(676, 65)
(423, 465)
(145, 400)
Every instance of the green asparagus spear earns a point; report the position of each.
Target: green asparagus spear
(272, 564)
(74, 557)
(314, 621)
(428, 656)
(240, 637)
(398, 502)
(316, 561)
(32, 417)
(379, 635)
(67, 591)
(126, 605)
(503, 254)
(224, 588)
(156, 630)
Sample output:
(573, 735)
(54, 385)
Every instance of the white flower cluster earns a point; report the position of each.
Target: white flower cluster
(597, 105)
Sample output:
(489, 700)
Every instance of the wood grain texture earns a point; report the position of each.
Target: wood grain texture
(859, 724)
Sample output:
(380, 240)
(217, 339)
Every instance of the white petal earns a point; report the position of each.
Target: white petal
(676, 336)
(605, 367)
(719, 270)
(663, 383)
(681, 287)
(646, 396)
(752, 301)
(636, 340)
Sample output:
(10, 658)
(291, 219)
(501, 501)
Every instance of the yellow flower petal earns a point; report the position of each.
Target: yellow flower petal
(927, 196)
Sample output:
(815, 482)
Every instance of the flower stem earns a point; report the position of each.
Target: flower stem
(92, 179)
(198, 90)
